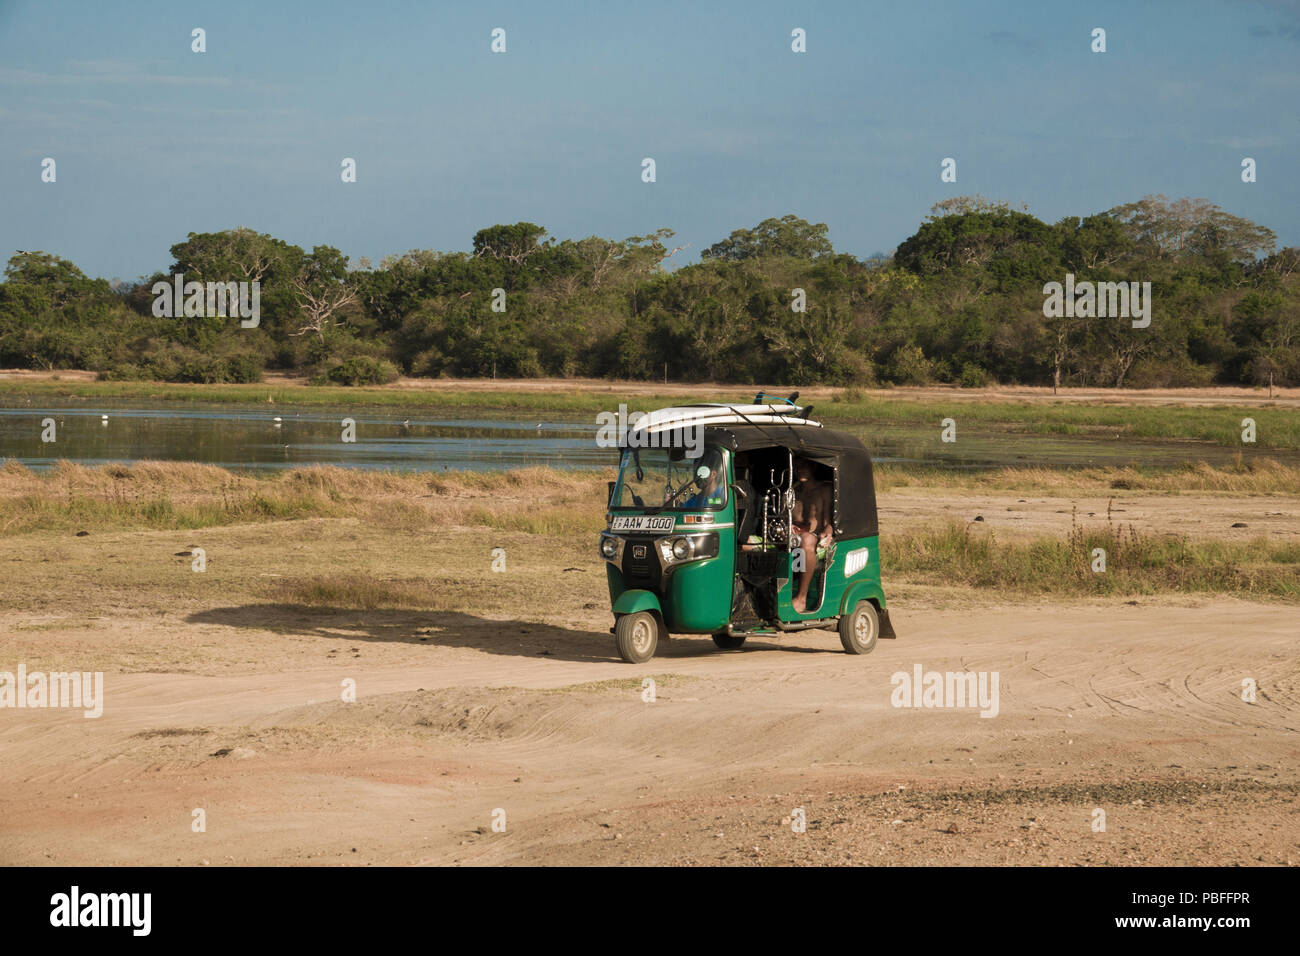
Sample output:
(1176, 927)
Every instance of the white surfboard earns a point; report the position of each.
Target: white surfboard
(720, 414)
(724, 420)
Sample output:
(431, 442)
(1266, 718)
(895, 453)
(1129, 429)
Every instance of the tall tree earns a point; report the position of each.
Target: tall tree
(1161, 228)
(788, 236)
(58, 279)
(511, 243)
(235, 255)
(1025, 245)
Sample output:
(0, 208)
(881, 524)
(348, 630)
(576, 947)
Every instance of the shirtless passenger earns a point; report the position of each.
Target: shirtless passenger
(811, 523)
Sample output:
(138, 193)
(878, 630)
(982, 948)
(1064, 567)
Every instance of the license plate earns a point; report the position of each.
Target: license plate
(642, 523)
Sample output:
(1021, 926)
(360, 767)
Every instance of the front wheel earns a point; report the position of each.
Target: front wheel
(860, 628)
(729, 642)
(637, 636)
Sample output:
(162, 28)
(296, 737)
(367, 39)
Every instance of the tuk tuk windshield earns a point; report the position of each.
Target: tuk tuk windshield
(663, 478)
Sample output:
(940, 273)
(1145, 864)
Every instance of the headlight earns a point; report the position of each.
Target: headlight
(678, 550)
(705, 545)
(608, 548)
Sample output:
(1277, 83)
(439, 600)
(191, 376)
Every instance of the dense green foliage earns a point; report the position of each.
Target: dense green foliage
(960, 301)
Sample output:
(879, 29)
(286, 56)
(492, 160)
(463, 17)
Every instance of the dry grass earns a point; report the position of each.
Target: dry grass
(1135, 563)
(188, 480)
(551, 508)
(1259, 476)
(182, 495)
(578, 518)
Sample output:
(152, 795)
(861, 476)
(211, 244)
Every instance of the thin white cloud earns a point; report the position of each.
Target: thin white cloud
(33, 78)
(1263, 141)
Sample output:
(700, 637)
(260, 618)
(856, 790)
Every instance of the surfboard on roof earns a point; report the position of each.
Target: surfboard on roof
(718, 413)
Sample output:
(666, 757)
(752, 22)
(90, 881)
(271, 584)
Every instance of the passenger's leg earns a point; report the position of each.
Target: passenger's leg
(808, 544)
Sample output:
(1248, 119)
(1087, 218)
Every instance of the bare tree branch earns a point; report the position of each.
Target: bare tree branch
(320, 303)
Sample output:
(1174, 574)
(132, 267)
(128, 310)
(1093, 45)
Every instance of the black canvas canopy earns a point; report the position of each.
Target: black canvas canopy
(855, 489)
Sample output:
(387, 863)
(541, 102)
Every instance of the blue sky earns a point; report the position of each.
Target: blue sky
(153, 141)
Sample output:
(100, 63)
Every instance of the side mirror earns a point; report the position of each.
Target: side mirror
(609, 497)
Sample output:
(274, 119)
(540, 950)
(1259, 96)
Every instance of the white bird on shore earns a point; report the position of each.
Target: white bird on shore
(103, 419)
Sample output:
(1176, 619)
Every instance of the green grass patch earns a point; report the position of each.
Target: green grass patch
(1218, 424)
(634, 684)
(358, 592)
(577, 519)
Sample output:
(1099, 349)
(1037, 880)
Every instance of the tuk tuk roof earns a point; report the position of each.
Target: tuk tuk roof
(855, 489)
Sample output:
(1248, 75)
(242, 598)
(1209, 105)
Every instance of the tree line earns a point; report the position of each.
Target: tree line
(961, 301)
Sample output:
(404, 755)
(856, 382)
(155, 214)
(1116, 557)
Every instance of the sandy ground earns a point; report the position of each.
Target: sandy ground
(1133, 711)
(502, 699)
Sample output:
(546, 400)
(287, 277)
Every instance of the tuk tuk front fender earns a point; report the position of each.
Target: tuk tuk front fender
(637, 599)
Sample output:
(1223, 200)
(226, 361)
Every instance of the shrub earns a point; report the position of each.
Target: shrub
(972, 376)
(358, 370)
(242, 368)
(178, 363)
(1177, 371)
(909, 366)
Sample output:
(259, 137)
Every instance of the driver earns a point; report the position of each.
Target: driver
(709, 490)
(811, 523)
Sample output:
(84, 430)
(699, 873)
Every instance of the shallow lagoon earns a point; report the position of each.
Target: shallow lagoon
(414, 439)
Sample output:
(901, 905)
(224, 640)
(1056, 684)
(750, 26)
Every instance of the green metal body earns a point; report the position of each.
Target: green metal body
(695, 597)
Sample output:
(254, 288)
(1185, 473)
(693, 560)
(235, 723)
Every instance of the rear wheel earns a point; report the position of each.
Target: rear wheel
(727, 641)
(637, 636)
(860, 628)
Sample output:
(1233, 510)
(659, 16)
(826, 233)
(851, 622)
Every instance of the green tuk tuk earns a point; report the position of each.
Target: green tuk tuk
(701, 531)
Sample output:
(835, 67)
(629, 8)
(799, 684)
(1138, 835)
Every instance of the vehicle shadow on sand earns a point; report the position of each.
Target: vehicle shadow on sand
(439, 628)
(451, 629)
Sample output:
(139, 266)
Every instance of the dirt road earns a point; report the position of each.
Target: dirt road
(1133, 711)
